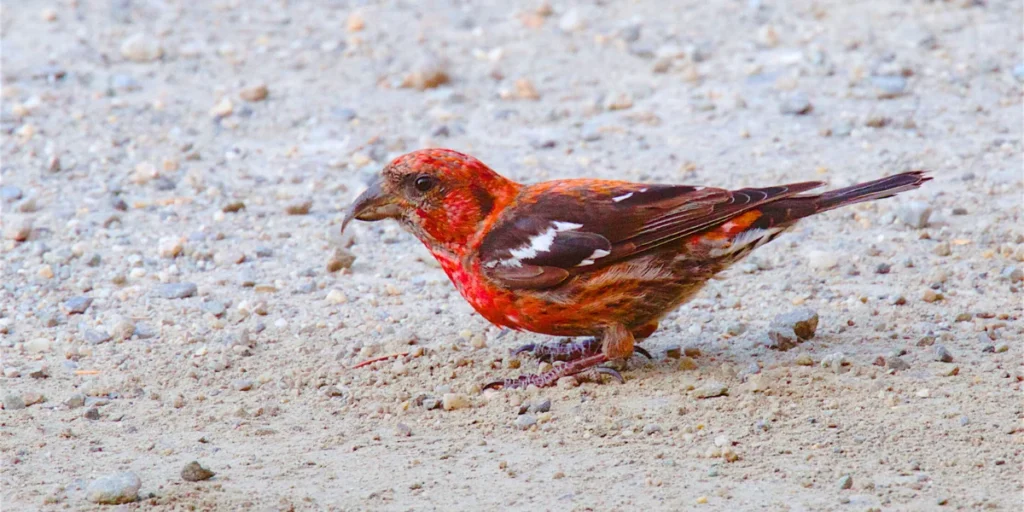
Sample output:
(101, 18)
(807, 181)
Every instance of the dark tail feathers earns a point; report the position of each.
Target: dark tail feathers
(788, 210)
(871, 190)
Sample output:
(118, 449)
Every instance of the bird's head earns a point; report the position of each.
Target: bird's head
(439, 195)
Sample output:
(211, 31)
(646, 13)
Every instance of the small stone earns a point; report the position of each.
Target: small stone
(687, 364)
(10, 194)
(846, 482)
(121, 328)
(525, 421)
(674, 352)
(171, 246)
(92, 414)
(17, 227)
(963, 317)
(883, 268)
(431, 404)
(37, 346)
(243, 384)
(77, 305)
(796, 104)
(889, 86)
(37, 371)
(711, 390)
(214, 307)
(11, 372)
(430, 72)
(96, 336)
(835, 361)
(340, 259)
(336, 297)
(176, 290)
(652, 428)
(618, 101)
(233, 207)
(897, 363)
(691, 352)
(525, 90)
(822, 260)
(75, 401)
(930, 296)
(736, 329)
(141, 47)
(942, 354)
(1012, 274)
(193, 472)
(254, 93)
(914, 214)
(478, 341)
(32, 398)
(541, 406)
(453, 401)
(114, 489)
(804, 360)
(222, 108)
(13, 402)
(355, 22)
(299, 207)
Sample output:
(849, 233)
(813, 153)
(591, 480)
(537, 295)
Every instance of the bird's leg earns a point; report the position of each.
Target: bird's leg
(616, 343)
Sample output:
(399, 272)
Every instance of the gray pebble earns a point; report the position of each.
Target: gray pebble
(9, 194)
(889, 86)
(93, 259)
(883, 268)
(145, 331)
(114, 489)
(176, 290)
(736, 328)
(37, 371)
(343, 113)
(846, 482)
(75, 401)
(13, 402)
(96, 336)
(842, 128)
(541, 406)
(1012, 273)
(1018, 72)
(431, 404)
(92, 414)
(525, 421)
(247, 278)
(711, 390)
(243, 384)
(964, 421)
(652, 428)
(897, 363)
(914, 214)
(214, 307)
(789, 329)
(796, 104)
(942, 354)
(403, 430)
(77, 305)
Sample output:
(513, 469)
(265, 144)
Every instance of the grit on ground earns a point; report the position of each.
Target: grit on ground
(174, 287)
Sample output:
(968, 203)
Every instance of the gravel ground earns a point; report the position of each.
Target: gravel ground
(175, 289)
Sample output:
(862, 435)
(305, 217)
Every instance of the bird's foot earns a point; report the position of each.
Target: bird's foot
(549, 378)
(570, 351)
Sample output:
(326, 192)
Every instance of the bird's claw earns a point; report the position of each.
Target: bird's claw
(551, 377)
(550, 352)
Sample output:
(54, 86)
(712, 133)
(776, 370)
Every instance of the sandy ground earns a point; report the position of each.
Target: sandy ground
(139, 152)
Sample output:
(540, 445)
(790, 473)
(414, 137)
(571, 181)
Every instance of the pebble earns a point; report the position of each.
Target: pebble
(430, 72)
(846, 482)
(9, 193)
(32, 398)
(299, 207)
(171, 246)
(193, 472)
(214, 307)
(736, 328)
(37, 371)
(942, 249)
(254, 93)
(403, 430)
(835, 361)
(340, 259)
(17, 227)
(243, 384)
(176, 290)
(930, 296)
(796, 104)
(121, 328)
(454, 401)
(711, 390)
(897, 363)
(822, 260)
(652, 428)
(11, 372)
(889, 86)
(38, 345)
(13, 402)
(75, 401)
(222, 108)
(77, 305)
(1012, 274)
(804, 360)
(942, 354)
(914, 214)
(687, 364)
(336, 297)
(674, 352)
(525, 421)
(114, 489)
(883, 268)
(92, 413)
(96, 336)
(141, 47)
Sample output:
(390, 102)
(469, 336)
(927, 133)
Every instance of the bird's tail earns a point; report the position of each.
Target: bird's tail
(788, 210)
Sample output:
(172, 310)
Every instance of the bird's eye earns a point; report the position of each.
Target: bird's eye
(423, 184)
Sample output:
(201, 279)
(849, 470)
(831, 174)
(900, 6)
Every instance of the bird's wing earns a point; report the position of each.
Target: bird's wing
(561, 228)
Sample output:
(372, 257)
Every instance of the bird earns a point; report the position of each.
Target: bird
(605, 260)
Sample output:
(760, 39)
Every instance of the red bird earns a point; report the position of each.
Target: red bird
(585, 257)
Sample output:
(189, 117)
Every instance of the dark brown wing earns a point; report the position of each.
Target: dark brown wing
(561, 228)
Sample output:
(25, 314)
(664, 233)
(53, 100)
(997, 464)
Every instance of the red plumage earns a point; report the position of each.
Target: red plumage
(585, 257)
